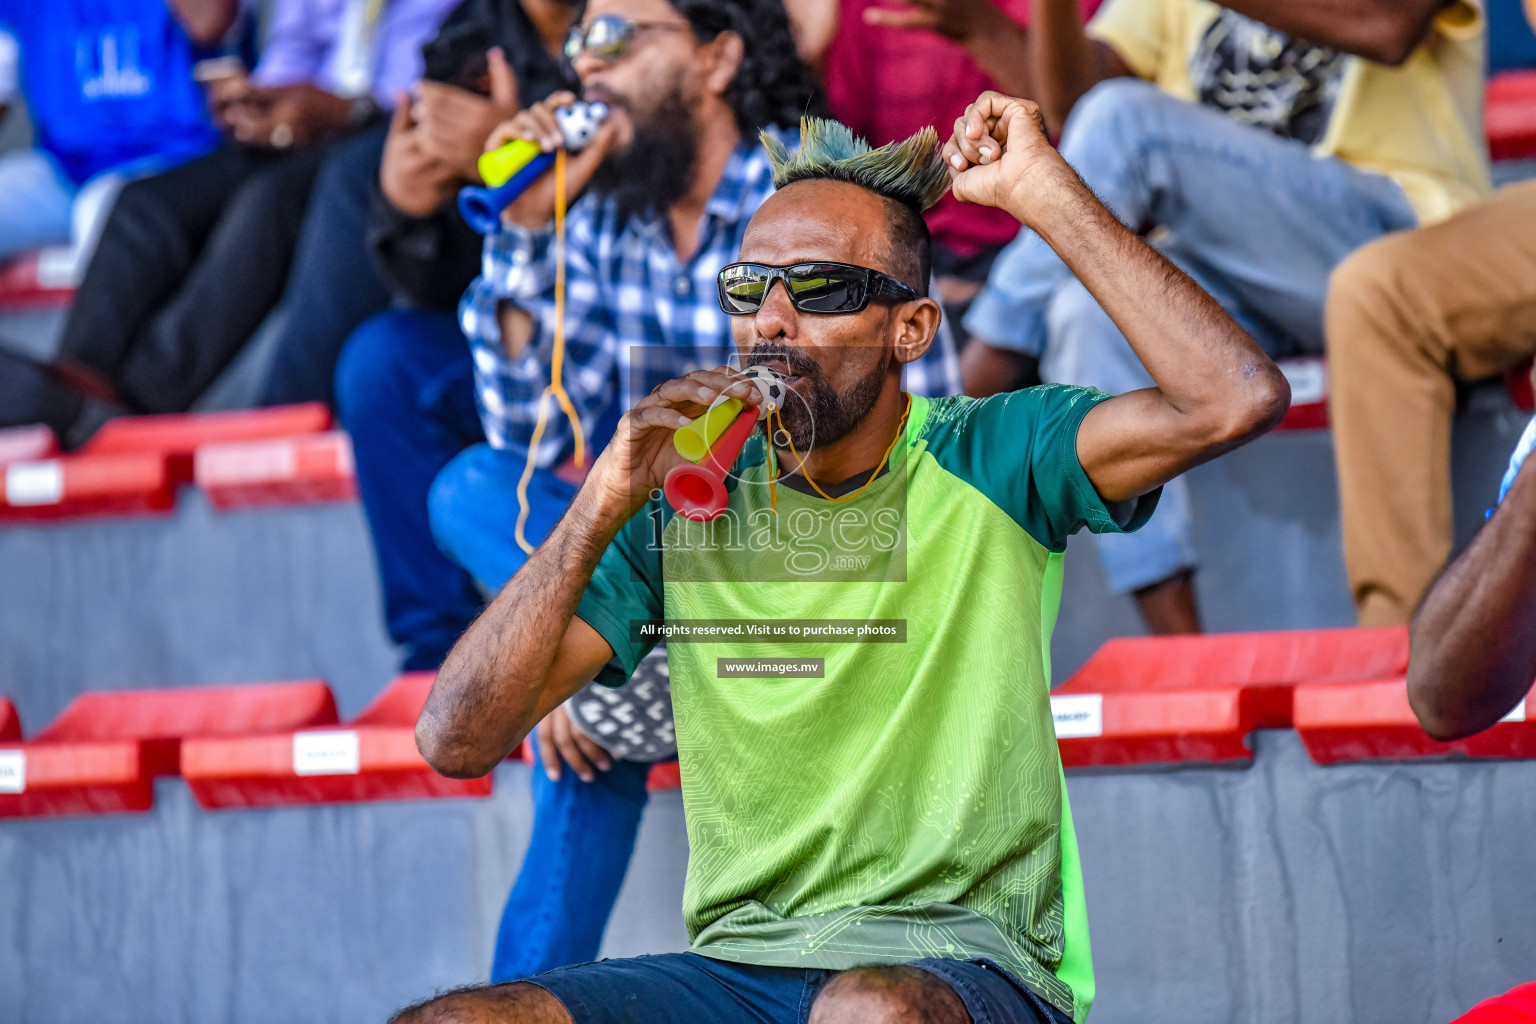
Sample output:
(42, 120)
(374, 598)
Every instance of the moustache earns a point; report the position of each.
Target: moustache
(797, 362)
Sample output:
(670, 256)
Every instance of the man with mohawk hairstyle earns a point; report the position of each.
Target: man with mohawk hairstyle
(881, 834)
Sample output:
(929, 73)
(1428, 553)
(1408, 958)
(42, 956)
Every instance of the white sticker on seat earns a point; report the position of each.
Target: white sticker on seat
(325, 753)
(13, 771)
(1078, 715)
(34, 483)
(1516, 714)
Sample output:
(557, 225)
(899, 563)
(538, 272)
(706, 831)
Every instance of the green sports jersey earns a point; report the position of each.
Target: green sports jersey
(908, 801)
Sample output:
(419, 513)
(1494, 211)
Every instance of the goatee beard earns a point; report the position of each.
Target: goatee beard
(654, 172)
(825, 417)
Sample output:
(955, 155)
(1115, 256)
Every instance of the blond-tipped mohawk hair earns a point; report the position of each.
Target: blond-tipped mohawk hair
(909, 172)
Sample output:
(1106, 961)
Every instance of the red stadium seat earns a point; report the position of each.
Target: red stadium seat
(289, 470)
(663, 776)
(1372, 721)
(22, 288)
(86, 485)
(1517, 381)
(27, 444)
(1308, 378)
(179, 435)
(373, 757)
(10, 722)
(1150, 700)
(104, 752)
(1510, 115)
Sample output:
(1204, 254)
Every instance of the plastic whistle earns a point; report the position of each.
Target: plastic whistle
(712, 443)
(696, 489)
(509, 170)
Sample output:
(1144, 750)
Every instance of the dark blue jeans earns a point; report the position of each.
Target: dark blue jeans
(583, 833)
(405, 390)
(332, 285)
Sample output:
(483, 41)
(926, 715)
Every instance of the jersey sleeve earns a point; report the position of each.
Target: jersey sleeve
(625, 592)
(1020, 450)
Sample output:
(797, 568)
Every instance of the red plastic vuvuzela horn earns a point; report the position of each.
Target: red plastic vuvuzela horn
(697, 490)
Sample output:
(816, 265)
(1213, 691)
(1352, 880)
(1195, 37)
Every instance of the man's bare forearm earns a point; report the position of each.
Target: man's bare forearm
(1205, 366)
(1473, 651)
(496, 683)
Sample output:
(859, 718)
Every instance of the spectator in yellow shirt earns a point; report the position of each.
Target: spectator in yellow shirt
(1256, 144)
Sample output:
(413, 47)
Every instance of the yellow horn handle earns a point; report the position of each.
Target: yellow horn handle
(694, 441)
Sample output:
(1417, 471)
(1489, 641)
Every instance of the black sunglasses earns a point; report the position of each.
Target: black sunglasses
(812, 287)
(609, 36)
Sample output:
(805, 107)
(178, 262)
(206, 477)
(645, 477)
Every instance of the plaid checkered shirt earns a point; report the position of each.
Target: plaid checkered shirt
(635, 314)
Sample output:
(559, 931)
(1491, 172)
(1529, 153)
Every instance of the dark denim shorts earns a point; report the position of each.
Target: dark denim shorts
(686, 988)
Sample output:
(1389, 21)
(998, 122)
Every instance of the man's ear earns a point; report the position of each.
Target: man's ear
(916, 325)
(726, 51)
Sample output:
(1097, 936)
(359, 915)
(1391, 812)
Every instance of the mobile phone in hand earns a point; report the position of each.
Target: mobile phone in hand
(216, 69)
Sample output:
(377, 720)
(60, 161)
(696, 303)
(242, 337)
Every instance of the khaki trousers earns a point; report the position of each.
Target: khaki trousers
(1407, 317)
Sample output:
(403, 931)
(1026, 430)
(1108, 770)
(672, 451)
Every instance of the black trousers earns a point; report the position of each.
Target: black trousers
(332, 286)
(189, 263)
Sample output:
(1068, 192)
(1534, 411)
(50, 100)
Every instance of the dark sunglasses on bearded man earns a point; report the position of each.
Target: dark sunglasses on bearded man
(812, 287)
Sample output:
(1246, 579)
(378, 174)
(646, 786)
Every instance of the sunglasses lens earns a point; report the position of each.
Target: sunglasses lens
(742, 289)
(823, 289)
(607, 37)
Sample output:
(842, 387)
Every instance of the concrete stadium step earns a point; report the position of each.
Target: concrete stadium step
(102, 755)
(1371, 720)
(373, 757)
(1197, 699)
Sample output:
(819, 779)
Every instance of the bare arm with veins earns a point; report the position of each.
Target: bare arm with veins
(1215, 388)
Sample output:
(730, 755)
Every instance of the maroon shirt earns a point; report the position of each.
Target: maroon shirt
(886, 83)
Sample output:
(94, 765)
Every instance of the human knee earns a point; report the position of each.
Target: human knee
(888, 995)
(514, 1003)
(1369, 281)
(369, 372)
(1109, 113)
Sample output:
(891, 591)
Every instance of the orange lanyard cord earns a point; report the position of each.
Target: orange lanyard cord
(901, 428)
(556, 366)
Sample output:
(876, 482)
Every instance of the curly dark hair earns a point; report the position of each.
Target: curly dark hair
(772, 86)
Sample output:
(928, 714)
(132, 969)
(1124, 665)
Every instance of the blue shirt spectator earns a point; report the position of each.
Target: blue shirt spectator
(110, 90)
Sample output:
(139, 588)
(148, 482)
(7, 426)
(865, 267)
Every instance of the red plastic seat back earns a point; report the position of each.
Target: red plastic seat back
(10, 722)
(1510, 115)
(1237, 659)
(401, 702)
(180, 434)
(193, 711)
